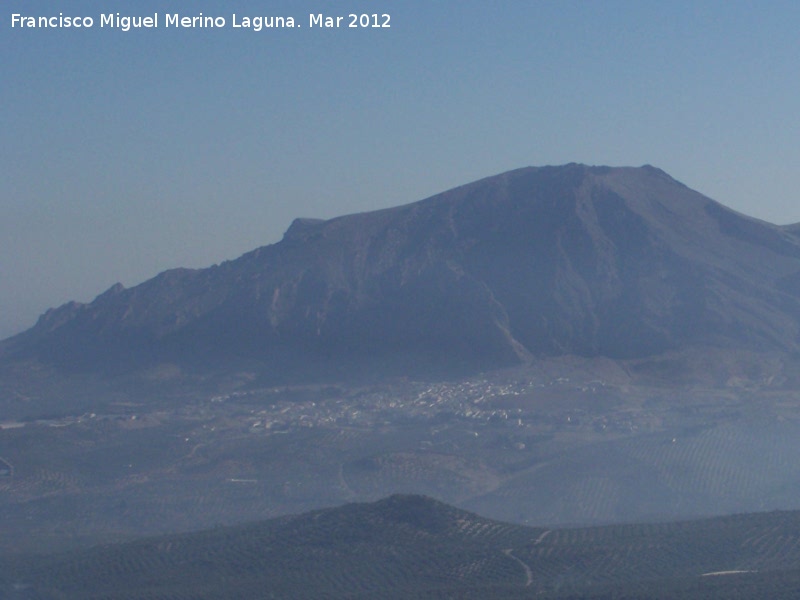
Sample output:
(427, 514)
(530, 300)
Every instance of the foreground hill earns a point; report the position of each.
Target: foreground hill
(416, 547)
(593, 261)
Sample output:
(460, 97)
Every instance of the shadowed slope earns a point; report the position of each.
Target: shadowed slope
(620, 262)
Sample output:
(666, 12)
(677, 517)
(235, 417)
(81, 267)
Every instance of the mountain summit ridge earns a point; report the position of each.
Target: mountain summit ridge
(621, 262)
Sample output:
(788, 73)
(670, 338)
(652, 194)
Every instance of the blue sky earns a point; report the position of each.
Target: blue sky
(125, 154)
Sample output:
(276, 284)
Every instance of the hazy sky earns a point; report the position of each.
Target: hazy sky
(123, 154)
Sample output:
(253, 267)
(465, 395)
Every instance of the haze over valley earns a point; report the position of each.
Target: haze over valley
(549, 346)
(399, 300)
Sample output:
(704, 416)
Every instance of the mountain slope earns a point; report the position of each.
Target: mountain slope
(618, 262)
(416, 547)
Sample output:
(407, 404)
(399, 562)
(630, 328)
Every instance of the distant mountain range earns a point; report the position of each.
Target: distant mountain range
(591, 261)
(416, 547)
(655, 338)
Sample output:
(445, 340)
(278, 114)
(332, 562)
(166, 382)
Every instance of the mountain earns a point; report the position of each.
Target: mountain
(416, 547)
(590, 261)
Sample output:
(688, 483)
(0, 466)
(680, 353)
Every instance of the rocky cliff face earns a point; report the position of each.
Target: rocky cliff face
(620, 262)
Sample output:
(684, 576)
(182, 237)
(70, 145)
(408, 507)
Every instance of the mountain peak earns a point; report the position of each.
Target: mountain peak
(598, 261)
(300, 229)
